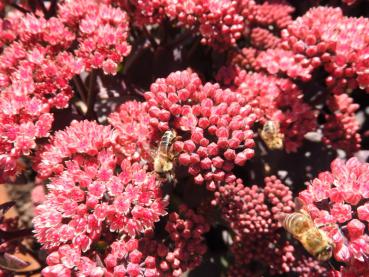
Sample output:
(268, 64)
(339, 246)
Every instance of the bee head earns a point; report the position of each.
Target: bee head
(326, 253)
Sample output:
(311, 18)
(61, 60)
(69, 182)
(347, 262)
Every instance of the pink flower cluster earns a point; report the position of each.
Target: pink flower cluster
(247, 209)
(134, 132)
(245, 59)
(220, 23)
(276, 14)
(92, 191)
(103, 33)
(180, 249)
(32, 80)
(37, 63)
(338, 200)
(341, 127)
(274, 99)
(215, 124)
(324, 37)
(252, 214)
(144, 12)
(248, 72)
(182, 246)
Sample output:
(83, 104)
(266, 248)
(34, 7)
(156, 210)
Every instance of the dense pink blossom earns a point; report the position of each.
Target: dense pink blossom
(33, 79)
(323, 36)
(263, 39)
(215, 124)
(272, 14)
(103, 38)
(253, 212)
(180, 248)
(279, 60)
(22, 120)
(338, 199)
(279, 100)
(91, 191)
(134, 133)
(69, 144)
(341, 127)
(245, 58)
(145, 12)
(249, 88)
(219, 23)
(37, 62)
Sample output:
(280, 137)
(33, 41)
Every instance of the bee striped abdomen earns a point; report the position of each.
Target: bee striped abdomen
(297, 223)
(166, 142)
(163, 161)
(302, 227)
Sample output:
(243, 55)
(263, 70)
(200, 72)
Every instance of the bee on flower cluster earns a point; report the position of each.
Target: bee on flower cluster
(165, 156)
(302, 227)
(271, 135)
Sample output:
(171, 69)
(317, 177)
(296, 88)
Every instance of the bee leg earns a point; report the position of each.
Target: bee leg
(326, 225)
(172, 154)
(178, 138)
(170, 177)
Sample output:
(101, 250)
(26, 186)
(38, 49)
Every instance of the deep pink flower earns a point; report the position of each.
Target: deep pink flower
(252, 215)
(347, 193)
(324, 37)
(103, 36)
(263, 39)
(23, 119)
(219, 23)
(215, 124)
(134, 133)
(341, 128)
(278, 60)
(91, 192)
(277, 15)
(278, 100)
(170, 254)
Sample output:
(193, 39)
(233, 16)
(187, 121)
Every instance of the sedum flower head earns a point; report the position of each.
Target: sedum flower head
(91, 193)
(339, 199)
(215, 124)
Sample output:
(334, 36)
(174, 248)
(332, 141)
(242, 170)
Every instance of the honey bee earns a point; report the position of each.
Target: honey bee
(271, 135)
(164, 158)
(302, 227)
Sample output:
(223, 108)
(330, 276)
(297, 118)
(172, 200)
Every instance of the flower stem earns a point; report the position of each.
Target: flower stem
(92, 95)
(19, 8)
(81, 89)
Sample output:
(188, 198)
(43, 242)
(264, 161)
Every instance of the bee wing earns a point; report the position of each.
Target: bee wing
(299, 204)
(300, 207)
(5, 207)
(11, 262)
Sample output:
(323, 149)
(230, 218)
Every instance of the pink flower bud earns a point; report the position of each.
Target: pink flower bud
(199, 179)
(355, 228)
